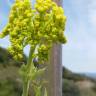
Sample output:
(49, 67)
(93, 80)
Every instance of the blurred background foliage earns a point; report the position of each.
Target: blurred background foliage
(77, 84)
(10, 83)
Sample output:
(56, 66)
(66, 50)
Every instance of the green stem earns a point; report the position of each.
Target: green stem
(27, 82)
(30, 57)
(25, 88)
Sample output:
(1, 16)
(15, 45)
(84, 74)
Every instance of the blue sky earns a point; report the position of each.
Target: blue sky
(79, 54)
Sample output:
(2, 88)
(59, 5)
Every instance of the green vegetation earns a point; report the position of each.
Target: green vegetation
(6, 59)
(77, 85)
(69, 88)
(9, 87)
(72, 76)
(10, 82)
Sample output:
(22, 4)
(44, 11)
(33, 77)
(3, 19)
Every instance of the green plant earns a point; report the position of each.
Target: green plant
(38, 27)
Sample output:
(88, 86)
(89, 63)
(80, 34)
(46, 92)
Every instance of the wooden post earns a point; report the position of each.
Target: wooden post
(55, 71)
(59, 2)
(54, 75)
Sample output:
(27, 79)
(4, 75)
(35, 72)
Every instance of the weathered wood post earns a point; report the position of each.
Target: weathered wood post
(54, 75)
(55, 71)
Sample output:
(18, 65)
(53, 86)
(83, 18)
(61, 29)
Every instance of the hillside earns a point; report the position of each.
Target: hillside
(77, 85)
(9, 77)
(10, 84)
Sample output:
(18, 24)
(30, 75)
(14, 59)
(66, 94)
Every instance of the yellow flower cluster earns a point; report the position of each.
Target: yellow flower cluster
(19, 18)
(41, 27)
(43, 5)
(58, 12)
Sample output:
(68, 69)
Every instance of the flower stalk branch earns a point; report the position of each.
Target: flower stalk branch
(26, 82)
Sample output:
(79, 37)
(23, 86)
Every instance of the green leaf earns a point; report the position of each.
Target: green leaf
(45, 93)
(38, 91)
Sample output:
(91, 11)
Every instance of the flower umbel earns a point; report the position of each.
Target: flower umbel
(42, 25)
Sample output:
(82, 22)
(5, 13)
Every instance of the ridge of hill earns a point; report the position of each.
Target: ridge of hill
(77, 84)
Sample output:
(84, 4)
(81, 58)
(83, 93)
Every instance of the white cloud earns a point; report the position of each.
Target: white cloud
(92, 13)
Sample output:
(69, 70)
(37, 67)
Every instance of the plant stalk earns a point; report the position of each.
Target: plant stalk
(26, 88)
(27, 82)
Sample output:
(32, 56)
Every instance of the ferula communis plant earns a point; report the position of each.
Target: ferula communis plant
(38, 27)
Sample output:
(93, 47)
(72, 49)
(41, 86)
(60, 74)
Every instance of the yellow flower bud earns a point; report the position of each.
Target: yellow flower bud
(39, 1)
(61, 10)
(20, 56)
(54, 4)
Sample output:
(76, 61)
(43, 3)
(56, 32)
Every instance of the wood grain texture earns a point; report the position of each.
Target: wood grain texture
(54, 73)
